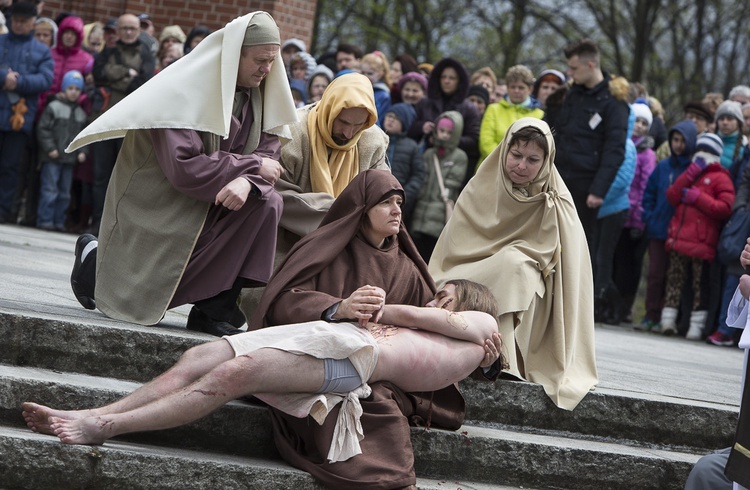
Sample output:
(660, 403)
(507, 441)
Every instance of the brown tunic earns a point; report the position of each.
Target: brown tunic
(326, 266)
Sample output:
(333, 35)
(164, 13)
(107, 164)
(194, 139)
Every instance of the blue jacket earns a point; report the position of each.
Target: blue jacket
(33, 61)
(617, 198)
(657, 212)
(382, 94)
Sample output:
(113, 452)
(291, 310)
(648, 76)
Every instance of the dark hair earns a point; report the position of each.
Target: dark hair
(528, 135)
(408, 63)
(350, 49)
(585, 49)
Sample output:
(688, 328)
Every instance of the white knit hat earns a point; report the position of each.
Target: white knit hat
(643, 112)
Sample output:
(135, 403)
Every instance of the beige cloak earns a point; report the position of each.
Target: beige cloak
(527, 245)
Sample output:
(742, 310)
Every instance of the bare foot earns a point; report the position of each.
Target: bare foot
(85, 430)
(37, 416)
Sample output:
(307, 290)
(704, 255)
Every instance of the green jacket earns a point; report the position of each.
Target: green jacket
(497, 119)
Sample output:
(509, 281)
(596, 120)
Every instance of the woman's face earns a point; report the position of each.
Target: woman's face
(43, 34)
(518, 91)
(372, 73)
(383, 220)
(449, 81)
(195, 41)
(412, 92)
(546, 88)
(396, 70)
(524, 161)
(317, 87)
(728, 125)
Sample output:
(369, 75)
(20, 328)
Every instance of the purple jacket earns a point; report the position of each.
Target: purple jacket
(644, 166)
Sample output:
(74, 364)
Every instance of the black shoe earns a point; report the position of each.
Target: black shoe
(83, 278)
(200, 322)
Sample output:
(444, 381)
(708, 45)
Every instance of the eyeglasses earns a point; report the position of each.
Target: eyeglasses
(128, 28)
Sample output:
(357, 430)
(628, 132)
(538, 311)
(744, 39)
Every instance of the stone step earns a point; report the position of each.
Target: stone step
(120, 350)
(501, 456)
(33, 461)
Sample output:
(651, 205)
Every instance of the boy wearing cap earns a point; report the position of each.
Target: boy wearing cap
(61, 121)
(703, 197)
(404, 154)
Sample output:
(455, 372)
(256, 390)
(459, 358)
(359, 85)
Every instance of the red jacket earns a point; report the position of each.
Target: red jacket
(694, 229)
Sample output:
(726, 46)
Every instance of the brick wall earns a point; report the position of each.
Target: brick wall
(294, 17)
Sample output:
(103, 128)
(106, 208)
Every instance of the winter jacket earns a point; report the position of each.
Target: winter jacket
(616, 199)
(382, 100)
(407, 165)
(497, 119)
(32, 60)
(61, 121)
(694, 229)
(436, 103)
(112, 66)
(429, 213)
(645, 165)
(66, 59)
(590, 131)
(657, 212)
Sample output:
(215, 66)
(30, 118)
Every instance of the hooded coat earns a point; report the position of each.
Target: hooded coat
(429, 212)
(694, 229)
(657, 211)
(66, 59)
(406, 160)
(436, 103)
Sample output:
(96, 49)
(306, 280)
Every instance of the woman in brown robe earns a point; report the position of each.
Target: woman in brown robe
(319, 275)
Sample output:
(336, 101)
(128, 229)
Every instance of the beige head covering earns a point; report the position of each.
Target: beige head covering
(332, 173)
(527, 245)
(197, 91)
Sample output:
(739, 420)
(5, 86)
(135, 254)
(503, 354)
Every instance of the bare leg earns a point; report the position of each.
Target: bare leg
(193, 364)
(263, 371)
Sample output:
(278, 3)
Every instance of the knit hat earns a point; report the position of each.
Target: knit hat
(446, 123)
(404, 113)
(172, 31)
(480, 92)
(642, 111)
(412, 76)
(732, 109)
(73, 77)
(710, 143)
(699, 108)
(23, 9)
(297, 43)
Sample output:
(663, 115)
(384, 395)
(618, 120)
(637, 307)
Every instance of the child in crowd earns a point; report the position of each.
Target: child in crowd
(319, 80)
(657, 213)
(480, 97)
(633, 243)
(429, 213)
(404, 155)
(299, 92)
(61, 121)
(729, 121)
(375, 66)
(301, 66)
(702, 197)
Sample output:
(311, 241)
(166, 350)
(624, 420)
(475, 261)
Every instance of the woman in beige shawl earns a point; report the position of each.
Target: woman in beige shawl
(515, 229)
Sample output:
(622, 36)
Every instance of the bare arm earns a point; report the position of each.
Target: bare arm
(471, 326)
